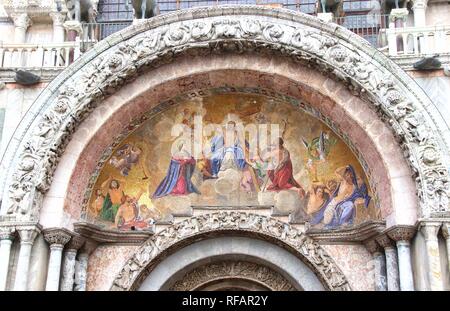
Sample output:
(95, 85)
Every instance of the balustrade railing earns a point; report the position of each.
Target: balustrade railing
(45, 55)
(94, 32)
(418, 41)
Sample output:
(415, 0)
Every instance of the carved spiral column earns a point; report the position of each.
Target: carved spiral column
(6, 240)
(82, 264)
(27, 236)
(21, 24)
(402, 235)
(57, 238)
(380, 264)
(391, 262)
(430, 233)
(68, 267)
(446, 234)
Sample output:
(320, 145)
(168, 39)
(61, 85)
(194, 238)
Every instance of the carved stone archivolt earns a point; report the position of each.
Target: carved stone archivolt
(224, 270)
(39, 141)
(140, 264)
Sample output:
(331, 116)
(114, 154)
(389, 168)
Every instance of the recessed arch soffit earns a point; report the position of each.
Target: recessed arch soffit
(148, 255)
(36, 146)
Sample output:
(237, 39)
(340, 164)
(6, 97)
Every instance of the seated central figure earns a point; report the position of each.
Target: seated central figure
(226, 151)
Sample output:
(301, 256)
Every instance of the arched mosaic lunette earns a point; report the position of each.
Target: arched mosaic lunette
(34, 151)
(164, 106)
(145, 258)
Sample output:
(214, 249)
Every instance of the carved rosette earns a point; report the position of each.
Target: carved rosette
(57, 237)
(402, 233)
(301, 38)
(136, 266)
(229, 270)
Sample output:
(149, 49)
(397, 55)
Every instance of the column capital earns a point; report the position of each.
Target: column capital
(76, 242)
(58, 18)
(28, 233)
(57, 236)
(419, 4)
(7, 233)
(446, 231)
(401, 232)
(384, 241)
(372, 246)
(21, 20)
(430, 229)
(88, 247)
(72, 25)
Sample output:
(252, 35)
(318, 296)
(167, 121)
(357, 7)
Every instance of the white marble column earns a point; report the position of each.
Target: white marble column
(420, 8)
(27, 236)
(68, 268)
(58, 26)
(21, 24)
(82, 265)
(379, 264)
(402, 235)
(430, 231)
(6, 240)
(57, 238)
(391, 262)
(446, 234)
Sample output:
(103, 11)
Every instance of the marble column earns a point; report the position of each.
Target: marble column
(27, 236)
(58, 26)
(68, 268)
(379, 264)
(446, 234)
(6, 240)
(402, 235)
(82, 265)
(419, 7)
(57, 238)
(430, 231)
(21, 24)
(391, 262)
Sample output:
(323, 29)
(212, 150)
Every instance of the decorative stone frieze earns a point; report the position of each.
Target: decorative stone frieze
(302, 38)
(140, 264)
(205, 274)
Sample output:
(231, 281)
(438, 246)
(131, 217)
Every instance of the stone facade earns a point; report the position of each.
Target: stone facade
(397, 130)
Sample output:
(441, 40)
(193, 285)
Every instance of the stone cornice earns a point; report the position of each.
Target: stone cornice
(358, 233)
(100, 235)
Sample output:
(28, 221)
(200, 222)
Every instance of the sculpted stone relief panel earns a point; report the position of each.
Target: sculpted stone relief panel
(230, 149)
(42, 141)
(141, 263)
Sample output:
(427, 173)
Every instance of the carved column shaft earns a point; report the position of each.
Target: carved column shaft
(82, 264)
(402, 235)
(57, 238)
(446, 233)
(420, 8)
(379, 264)
(6, 240)
(58, 26)
(21, 24)
(27, 237)
(68, 268)
(430, 231)
(391, 262)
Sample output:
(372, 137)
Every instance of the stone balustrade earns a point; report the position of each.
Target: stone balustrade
(418, 41)
(47, 56)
